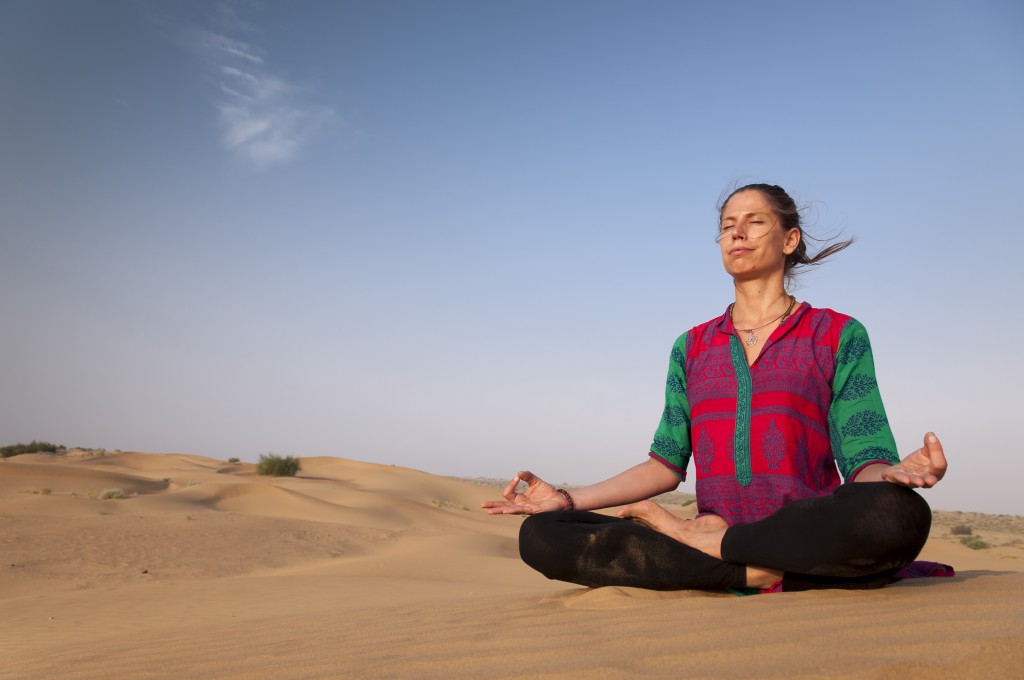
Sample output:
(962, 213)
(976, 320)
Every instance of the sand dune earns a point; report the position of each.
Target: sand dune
(358, 570)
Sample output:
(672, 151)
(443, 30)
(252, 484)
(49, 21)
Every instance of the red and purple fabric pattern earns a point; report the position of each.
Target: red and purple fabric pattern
(806, 415)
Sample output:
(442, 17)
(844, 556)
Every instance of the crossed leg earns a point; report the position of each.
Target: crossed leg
(857, 537)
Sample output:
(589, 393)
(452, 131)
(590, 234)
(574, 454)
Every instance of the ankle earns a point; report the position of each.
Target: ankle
(762, 578)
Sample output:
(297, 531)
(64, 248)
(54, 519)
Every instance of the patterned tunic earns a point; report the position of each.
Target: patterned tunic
(783, 429)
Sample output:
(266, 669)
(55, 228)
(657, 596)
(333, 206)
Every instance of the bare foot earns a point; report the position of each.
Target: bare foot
(652, 515)
(705, 534)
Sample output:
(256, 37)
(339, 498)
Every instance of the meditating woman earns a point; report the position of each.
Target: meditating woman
(798, 481)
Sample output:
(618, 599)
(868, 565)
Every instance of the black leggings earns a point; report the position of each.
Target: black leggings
(857, 537)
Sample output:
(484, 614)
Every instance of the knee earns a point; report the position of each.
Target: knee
(898, 518)
(535, 541)
(907, 504)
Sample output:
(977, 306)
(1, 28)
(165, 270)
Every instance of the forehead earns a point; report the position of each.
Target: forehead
(746, 202)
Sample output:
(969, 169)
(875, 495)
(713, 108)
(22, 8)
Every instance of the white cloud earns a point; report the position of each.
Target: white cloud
(261, 119)
(230, 71)
(268, 136)
(265, 120)
(227, 89)
(240, 52)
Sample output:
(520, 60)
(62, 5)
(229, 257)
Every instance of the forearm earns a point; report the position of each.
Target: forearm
(872, 473)
(639, 482)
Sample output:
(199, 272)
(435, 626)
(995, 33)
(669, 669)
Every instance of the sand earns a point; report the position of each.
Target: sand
(356, 570)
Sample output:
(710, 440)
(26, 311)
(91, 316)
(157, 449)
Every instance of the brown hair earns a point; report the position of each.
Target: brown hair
(790, 217)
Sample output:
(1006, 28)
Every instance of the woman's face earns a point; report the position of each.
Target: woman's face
(751, 237)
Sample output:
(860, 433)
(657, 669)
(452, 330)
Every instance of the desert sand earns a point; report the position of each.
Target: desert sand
(355, 570)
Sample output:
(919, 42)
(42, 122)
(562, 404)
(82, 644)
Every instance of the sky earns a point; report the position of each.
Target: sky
(462, 236)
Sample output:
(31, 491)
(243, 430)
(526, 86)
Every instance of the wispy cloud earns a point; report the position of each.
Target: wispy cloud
(265, 120)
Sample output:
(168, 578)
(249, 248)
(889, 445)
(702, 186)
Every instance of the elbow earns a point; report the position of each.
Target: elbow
(665, 478)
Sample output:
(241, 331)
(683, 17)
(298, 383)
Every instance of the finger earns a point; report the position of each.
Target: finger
(937, 455)
(510, 489)
(506, 509)
(895, 475)
(528, 477)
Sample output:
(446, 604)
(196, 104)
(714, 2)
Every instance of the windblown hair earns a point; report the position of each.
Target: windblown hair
(790, 216)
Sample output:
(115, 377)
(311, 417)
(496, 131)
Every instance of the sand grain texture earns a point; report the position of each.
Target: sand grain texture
(370, 571)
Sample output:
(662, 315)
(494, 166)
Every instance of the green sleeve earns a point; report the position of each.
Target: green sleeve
(672, 440)
(858, 427)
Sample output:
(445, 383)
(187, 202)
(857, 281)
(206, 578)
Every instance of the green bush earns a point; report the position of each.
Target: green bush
(234, 460)
(961, 530)
(32, 447)
(273, 465)
(975, 542)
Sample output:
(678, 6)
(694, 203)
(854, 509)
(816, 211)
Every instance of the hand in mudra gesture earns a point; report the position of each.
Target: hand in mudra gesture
(538, 497)
(921, 469)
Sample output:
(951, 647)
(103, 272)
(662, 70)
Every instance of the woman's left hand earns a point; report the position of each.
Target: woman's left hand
(921, 469)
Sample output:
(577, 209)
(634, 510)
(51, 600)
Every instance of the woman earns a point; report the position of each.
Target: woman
(774, 401)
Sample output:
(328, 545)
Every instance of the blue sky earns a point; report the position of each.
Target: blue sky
(462, 236)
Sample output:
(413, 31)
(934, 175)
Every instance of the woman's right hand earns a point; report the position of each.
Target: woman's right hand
(538, 497)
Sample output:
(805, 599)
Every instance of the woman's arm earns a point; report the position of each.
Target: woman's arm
(862, 440)
(639, 482)
(647, 479)
(858, 427)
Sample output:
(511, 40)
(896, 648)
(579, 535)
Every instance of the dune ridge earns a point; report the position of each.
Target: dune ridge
(354, 569)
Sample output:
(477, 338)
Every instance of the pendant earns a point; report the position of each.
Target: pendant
(751, 339)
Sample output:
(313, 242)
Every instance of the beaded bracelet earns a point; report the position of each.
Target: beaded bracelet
(568, 498)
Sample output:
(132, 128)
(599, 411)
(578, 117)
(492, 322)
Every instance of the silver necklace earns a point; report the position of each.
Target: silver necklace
(751, 338)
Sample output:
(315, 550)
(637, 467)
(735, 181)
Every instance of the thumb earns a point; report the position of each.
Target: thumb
(933, 447)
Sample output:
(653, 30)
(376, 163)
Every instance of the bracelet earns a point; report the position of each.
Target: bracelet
(568, 498)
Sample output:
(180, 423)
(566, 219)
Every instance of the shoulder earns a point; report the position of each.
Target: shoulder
(829, 326)
(705, 334)
(696, 340)
(846, 336)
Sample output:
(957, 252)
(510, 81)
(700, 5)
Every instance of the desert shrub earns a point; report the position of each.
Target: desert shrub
(449, 505)
(975, 542)
(273, 465)
(961, 530)
(234, 460)
(108, 494)
(32, 447)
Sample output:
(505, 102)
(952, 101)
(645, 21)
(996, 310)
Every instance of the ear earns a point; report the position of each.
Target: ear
(792, 241)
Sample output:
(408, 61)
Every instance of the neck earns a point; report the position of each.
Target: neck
(759, 301)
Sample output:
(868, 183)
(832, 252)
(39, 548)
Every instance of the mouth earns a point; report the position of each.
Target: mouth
(737, 252)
